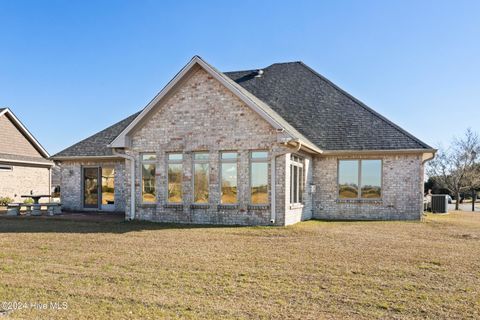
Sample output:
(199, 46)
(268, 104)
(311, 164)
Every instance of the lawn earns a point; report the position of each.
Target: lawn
(311, 270)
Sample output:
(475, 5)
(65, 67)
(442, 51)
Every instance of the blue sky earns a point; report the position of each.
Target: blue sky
(71, 68)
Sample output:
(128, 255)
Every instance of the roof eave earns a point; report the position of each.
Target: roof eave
(379, 151)
(73, 158)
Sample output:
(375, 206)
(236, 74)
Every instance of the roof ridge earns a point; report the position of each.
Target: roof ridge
(367, 108)
(255, 69)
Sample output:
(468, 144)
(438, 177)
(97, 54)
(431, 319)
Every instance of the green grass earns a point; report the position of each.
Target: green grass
(313, 270)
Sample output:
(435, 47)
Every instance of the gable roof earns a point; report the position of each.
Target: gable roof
(250, 100)
(97, 144)
(327, 115)
(33, 141)
(290, 96)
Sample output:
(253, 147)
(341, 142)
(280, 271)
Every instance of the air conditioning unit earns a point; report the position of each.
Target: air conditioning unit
(439, 203)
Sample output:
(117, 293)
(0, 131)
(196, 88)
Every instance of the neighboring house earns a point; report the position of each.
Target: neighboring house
(24, 168)
(257, 147)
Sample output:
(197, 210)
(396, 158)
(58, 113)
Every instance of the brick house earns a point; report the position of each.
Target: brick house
(24, 164)
(257, 147)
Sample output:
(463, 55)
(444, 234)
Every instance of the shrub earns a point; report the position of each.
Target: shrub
(28, 201)
(5, 200)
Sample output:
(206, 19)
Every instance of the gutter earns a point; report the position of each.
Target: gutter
(132, 181)
(428, 158)
(37, 163)
(388, 151)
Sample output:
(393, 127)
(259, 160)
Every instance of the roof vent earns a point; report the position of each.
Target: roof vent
(259, 73)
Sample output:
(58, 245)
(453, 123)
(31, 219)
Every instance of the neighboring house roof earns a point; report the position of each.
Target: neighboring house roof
(97, 144)
(11, 116)
(291, 96)
(14, 158)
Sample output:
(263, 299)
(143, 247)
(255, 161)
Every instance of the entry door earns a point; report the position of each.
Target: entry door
(108, 188)
(90, 188)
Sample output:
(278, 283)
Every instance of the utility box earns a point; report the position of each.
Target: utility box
(439, 203)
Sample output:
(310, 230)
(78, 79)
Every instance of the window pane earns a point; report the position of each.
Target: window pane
(295, 184)
(175, 156)
(348, 179)
(201, 156)
(229, 155)
(371, 178)
(149, 157)
(200, 183)
(229, 183)
(259, 154)
(259, 188)
(148, 183)
(90, 186)
(291, 183)
(108, 185)
(301, 186)
(175, 182)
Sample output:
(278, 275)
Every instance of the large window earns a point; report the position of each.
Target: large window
(148, 178)
(175, 174)
(108, 186)
(297, 180)
(200, 177)
(259, 177)
(228, 177)
(360, 179)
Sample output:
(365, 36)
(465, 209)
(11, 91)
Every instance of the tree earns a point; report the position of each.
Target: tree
(456, 168)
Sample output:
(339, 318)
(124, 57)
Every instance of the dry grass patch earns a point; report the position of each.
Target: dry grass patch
(312, 270)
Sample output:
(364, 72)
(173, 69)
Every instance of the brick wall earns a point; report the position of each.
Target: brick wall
(402, 193)
(202, 115)
(23, 179)
(71, 183)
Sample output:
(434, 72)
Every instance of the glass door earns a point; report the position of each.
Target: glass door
(90, 187)
(108, 189)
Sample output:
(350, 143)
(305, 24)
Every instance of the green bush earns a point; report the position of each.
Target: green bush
(5, 200)
(28, 201)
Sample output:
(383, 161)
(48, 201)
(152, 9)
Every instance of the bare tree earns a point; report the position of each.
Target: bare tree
(455, 168)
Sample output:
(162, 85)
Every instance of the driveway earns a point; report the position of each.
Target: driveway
(464, 207)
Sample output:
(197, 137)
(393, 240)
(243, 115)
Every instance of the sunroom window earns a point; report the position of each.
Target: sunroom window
(149, 166)
(297, 179)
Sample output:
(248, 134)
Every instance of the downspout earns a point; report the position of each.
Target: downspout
(132, 181)
(273, 188)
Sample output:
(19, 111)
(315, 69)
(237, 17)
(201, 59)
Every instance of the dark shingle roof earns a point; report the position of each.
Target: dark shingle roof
(96, 145)
(317, 108)
(322, 112)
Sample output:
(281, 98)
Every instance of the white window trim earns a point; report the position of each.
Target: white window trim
(301, 180)
(222, 161)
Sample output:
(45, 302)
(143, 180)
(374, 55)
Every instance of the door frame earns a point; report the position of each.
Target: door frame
(98, 188)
